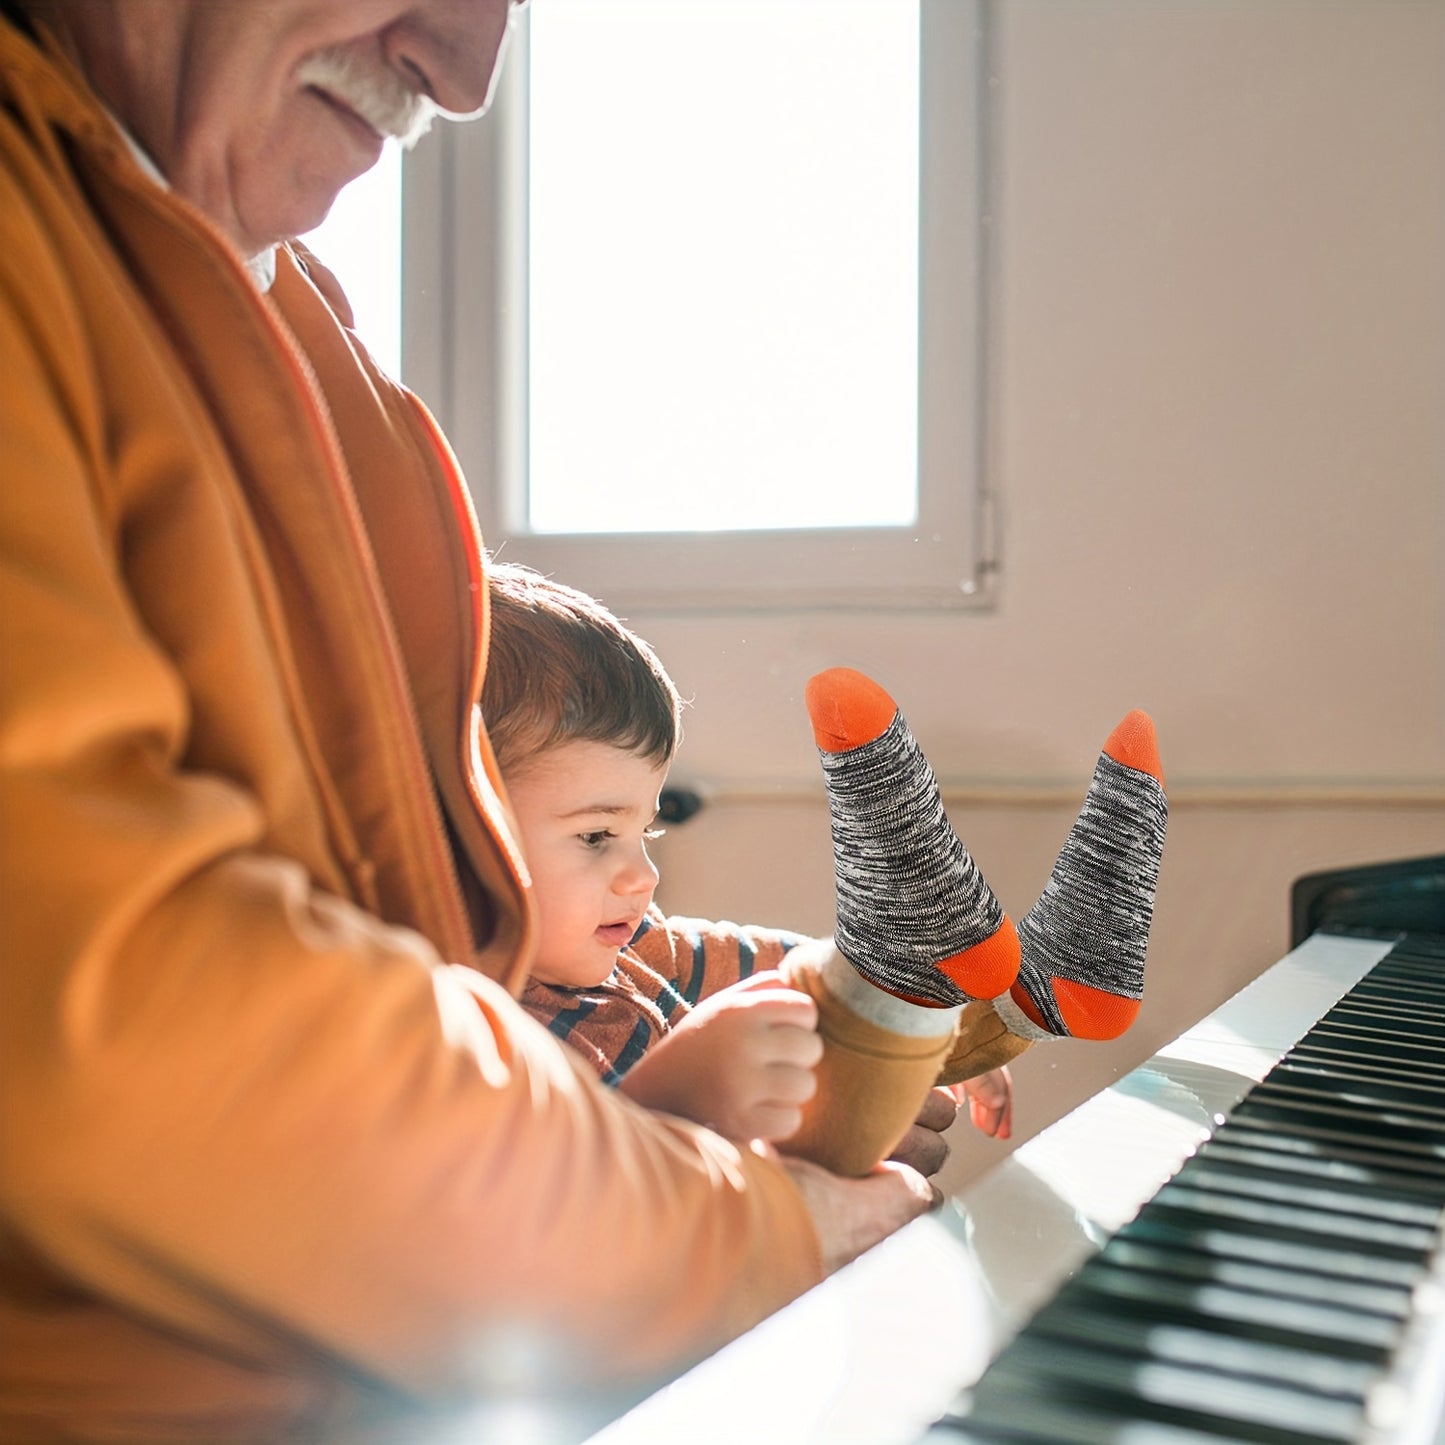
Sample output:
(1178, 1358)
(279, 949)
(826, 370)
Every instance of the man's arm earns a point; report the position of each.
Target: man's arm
(236, 1106)
(861, 1212)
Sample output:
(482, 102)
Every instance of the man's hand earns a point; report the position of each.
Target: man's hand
(923, 1147)
(741, 1062)
(852, 1215)
(990, 1108)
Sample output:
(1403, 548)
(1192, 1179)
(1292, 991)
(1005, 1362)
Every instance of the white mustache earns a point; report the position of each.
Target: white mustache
(374, 91)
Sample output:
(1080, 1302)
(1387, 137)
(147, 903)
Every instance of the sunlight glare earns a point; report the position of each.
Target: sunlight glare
(723, 264)
(360, 241)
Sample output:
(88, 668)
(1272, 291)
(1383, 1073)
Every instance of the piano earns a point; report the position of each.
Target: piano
(1262, 1262)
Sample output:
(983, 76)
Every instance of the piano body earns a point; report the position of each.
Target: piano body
(1239, 1240)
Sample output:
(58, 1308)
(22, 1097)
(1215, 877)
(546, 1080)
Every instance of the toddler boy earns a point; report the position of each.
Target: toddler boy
(759, 1033)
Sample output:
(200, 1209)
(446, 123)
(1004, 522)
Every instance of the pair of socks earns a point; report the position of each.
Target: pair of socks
(915, 916)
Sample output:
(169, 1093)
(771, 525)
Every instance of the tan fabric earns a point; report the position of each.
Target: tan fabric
(871, 1081)
(269, 1147)
(982, 1043)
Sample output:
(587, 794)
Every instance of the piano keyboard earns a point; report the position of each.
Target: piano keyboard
(1276, 1287)
(1235, 1241)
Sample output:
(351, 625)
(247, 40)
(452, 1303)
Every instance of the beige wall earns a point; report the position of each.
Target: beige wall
(1222, 913)
(1216, 365)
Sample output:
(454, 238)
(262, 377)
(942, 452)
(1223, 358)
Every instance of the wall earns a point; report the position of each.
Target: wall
(1216, 358)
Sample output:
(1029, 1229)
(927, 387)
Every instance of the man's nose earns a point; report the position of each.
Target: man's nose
(452, 49)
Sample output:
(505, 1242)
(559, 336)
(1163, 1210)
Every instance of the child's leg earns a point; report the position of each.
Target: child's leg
(914, 915)
(1083, 942)
(919, 932)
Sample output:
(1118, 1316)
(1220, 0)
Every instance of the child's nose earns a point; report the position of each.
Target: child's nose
(638, 875)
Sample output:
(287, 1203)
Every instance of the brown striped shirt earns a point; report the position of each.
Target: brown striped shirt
(671, 965)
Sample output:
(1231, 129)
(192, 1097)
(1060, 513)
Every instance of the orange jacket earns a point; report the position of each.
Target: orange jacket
(276, 1142)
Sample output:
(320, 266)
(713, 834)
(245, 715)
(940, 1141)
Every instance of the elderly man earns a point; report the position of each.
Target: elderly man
(279, 1153)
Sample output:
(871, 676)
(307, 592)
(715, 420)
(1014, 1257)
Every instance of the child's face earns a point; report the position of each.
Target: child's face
(586, 812)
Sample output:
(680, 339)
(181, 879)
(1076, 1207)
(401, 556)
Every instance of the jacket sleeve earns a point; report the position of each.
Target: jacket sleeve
(241, 1108)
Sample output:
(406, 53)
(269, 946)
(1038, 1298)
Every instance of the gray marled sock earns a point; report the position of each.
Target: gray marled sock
(914, 914)
(1084, 941)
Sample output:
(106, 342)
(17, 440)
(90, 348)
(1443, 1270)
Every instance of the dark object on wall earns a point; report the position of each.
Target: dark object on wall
(677, 805)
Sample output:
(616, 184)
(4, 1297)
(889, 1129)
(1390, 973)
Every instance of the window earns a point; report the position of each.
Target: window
(698, 303)
(722, 306)
(360, 241)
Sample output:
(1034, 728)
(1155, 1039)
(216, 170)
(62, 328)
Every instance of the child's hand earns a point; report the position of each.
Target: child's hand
(741, 1062)
(990, 1099)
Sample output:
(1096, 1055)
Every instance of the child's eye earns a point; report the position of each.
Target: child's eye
(597, 839)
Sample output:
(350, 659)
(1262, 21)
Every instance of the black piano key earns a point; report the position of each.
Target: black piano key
(1329, 1046)
(1397, 992)
(1248, 1180)
(1029, 1420)
(1419, 1093)
(1401, 994)
(1375, 1004)
(1416, 1099)
(1369, 1068)
(1405, 1031)
(1143, 1337)
(1261, 1294)
(1182, 1395)
(1330, 1035)
(1297, 1323)
(1416, 990)
(1336, 1122)
(1324, 1259)
(1032, 1421)
(1380, 1237)
(1358, 1161)
(1271, 1279)
(1413, 1104)
(1338, 1141)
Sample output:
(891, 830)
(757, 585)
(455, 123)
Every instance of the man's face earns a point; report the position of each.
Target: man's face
(260, 111)
(585, 811)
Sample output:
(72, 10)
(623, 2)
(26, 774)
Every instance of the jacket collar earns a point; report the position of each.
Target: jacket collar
(37, 74)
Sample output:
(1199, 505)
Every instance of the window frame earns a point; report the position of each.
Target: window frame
(464, 339)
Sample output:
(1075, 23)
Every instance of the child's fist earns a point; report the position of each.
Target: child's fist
(741, 1062)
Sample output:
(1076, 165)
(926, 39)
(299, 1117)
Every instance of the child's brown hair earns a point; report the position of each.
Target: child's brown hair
(561, 668)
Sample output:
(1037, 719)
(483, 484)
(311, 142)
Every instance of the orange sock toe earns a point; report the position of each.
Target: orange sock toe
(1133, 745)
(847, 709)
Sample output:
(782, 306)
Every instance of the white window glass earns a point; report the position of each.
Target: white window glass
(697, 303)
(723, 265)
(360, 242)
